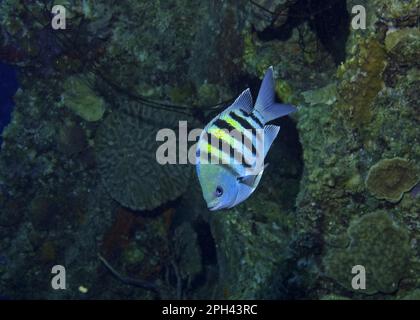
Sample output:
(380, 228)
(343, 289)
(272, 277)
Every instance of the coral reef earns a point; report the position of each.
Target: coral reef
(344, 134)
(78, 170)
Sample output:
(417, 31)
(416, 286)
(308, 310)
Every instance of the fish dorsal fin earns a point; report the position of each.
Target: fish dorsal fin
(243, 102)
(270, 133)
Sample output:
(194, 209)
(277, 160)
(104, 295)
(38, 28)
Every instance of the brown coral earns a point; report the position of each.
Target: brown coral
(390, 178)
(126, 147)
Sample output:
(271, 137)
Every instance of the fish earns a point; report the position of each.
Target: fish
(239, 139)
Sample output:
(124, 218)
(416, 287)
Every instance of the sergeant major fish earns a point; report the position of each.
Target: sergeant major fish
(228, 182)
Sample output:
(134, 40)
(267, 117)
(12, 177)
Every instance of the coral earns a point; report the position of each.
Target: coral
(126, 146)
(360, 82)
(404, 45)
(379, 245)
(390, 178)
(66, 180)
(374, 117)
(79, 97)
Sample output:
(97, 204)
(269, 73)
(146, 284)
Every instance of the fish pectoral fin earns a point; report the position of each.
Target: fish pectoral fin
(248, 180)
(252, 180)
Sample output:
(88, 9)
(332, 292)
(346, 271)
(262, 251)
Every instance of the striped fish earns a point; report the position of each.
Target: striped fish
(232, 147)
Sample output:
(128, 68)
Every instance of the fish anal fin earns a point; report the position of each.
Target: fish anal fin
(270, 133)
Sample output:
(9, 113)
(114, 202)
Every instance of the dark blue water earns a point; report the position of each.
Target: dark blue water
(8, 87)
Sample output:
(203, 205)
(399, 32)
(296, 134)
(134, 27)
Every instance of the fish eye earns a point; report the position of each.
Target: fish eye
(219, 191)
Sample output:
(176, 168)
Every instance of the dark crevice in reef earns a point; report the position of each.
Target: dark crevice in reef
(206, 242)
(329, 20)
(8, 87)
(286, 154)
(208, 251)
(287, 160)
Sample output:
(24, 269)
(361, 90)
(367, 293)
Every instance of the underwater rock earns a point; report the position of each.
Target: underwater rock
(379, 245)
(133, 256)
(253, 249)
(47, 253)
(398, 14)
(188, 252)
(269, 13)
(125, 147)
(208, 94)
(413, 295)
(301, 60)
(333, 297)
(71, 139)
(404, 45)
(79, 97)
(325, 95)
(390, 178)
(376, 93)
(43, 211)
(360, 82)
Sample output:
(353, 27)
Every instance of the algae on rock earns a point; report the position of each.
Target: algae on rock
(377, 244)
(79, 97)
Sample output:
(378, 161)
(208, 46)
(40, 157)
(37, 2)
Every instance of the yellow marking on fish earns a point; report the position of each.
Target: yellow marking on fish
(234, 123)
(223, 135)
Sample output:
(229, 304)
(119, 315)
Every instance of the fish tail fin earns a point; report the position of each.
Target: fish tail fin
(265, 104)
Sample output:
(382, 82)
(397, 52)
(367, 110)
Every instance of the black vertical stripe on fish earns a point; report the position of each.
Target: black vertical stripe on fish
(253, 117)
(211, 139)
(222, 124)
(244, 122)
(256, 119)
